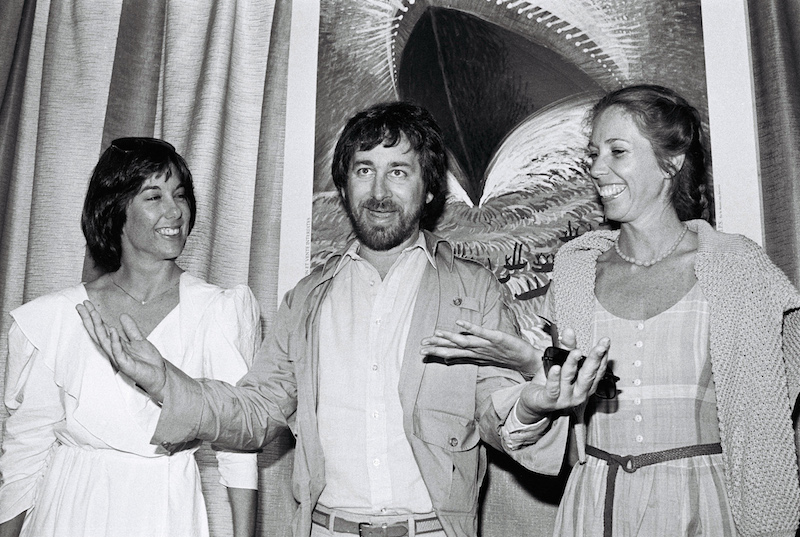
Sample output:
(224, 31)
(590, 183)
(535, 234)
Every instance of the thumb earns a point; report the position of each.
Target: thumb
(130, 328)
(568, 339)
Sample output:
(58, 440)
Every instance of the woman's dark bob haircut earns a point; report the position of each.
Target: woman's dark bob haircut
(386, 124)
(119, 175)
(673, 127)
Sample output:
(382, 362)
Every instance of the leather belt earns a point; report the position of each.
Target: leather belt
(631, 463)
(375, 529)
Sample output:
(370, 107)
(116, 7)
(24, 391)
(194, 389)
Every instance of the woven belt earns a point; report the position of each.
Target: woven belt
(366, 529)
(631, 463)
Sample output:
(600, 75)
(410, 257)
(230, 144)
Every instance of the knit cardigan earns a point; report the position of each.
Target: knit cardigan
(755, 356)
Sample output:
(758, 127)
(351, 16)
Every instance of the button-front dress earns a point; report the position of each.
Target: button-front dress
(666, 400)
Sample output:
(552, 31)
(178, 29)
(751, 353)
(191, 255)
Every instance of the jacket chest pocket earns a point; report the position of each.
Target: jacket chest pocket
(465, 308)
(447, 431)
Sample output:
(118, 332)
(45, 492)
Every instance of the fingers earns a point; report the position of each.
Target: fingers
(450, 344)
(86, 305)
(553, 385)
(568, 339)
(100, 330)
(601, 350)
(86, 311)
(474, 360)
(117, 354)
(130, 328)
(571, 384)
(443, 338)
(478, 330)
(449, 354)
(571, 367)
(95, 326)
(593, 369)
(86, 318)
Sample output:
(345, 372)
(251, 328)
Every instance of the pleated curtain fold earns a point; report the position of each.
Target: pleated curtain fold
(209, 76)
(775, 49)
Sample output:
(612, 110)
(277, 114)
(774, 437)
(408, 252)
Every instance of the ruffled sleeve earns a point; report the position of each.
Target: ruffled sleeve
(33, 400)
(231, 333)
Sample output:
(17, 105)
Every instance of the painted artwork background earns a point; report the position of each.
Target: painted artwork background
(510, 83)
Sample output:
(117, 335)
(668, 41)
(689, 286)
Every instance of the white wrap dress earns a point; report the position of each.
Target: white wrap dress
(76, 450)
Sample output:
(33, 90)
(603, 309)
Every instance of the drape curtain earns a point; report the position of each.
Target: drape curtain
(775, 47)
(209, 76)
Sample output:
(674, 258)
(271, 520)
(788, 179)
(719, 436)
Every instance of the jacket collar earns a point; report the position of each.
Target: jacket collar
(438, 250)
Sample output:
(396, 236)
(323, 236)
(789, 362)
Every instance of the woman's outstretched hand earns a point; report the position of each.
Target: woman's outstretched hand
(567, 386)
(130, 352)
(482, 346)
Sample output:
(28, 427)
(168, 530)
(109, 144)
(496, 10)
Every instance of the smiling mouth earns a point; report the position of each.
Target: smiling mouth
(169, 231)
(381, 214)
(609, 192)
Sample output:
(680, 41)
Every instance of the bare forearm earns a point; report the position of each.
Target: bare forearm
(243, 511)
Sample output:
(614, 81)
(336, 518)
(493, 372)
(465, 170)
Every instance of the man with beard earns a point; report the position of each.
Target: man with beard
(388, 442)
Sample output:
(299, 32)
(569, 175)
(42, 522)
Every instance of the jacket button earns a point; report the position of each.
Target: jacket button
(457, 301)
(454, 442)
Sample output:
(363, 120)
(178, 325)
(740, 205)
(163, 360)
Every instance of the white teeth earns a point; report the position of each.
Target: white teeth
(611, 191)
(169, 231)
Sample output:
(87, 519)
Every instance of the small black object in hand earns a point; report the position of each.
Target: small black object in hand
(556, 356)
(607, 387)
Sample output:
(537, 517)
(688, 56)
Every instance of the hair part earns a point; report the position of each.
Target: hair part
(386, 124)
(117, 178)
(674, 128)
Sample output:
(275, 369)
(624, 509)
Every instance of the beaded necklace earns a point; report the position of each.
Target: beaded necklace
(651, 262)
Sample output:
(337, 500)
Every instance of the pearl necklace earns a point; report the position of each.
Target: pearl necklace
(651, 262)
(145, 302)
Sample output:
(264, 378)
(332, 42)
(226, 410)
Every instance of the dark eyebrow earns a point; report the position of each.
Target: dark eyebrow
(149, 187)
(404, 164)
(608, 141)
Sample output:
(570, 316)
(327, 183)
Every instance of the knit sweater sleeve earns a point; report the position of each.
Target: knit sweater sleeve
(791, 354)
(753, 378)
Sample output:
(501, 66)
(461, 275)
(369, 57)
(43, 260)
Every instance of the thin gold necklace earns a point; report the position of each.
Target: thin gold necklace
(144, 302)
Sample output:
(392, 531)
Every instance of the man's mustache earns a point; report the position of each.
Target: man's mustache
(374, 205)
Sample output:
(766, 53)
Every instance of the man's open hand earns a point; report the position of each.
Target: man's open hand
(130, 352)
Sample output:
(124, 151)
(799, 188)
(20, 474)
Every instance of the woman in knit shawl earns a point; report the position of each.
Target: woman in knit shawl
(697, 438)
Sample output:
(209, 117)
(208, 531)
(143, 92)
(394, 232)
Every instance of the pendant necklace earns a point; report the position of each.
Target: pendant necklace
(145, 302)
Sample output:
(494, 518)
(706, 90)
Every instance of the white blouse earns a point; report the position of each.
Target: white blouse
(78, 437)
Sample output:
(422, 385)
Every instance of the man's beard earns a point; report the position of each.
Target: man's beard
(382, 238)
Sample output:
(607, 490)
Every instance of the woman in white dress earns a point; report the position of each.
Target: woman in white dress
(77, 458)
(690, 433)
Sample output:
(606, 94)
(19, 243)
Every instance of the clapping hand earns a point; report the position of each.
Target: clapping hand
(129, 352)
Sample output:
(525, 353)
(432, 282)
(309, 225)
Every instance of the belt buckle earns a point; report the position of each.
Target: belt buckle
(365, 529)
(629, 464)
